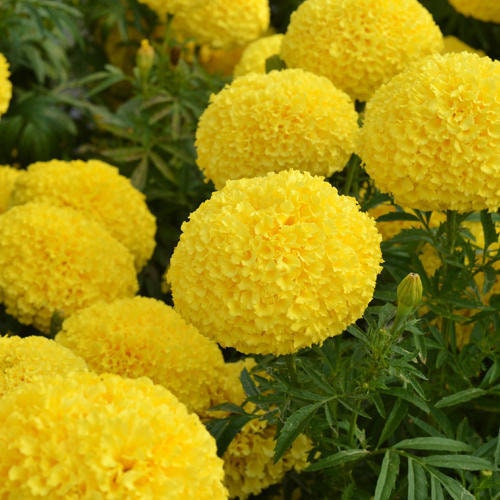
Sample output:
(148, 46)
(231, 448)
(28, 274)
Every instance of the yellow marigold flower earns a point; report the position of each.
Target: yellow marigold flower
(454, 44)
(438, 124)
(359, 44)
(8, 176)
(274, 264)
(5, 85)
(270, 122)
(248, 460)
(219, 61)
(145, 337)
(98, 191)
(485, 10)
(24, 359)
(253, 58)
(90, 436)
(220, 23)
(54, 259)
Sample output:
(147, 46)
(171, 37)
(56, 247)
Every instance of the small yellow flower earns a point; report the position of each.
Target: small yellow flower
(5, 85)
(253, 58)
(485, 10)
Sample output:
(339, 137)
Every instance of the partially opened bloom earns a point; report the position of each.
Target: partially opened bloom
(8, 176)
(24, 359)
(96, 189)
(431, 136)
(485, 10)
(89, 436)
(359, 44)
(270, 122)
(5, 85)
(274, 264)
(253, 59)
(53, 259)
(144, 337)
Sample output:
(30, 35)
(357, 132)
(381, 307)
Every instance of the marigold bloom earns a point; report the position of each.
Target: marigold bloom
(54, 259)
(5, 85)
(274, 264)
(431, 135)
(485, 10)
(24, 359)
(8, 176)
(90, 436)
(454, 44)
(145, 337)
(359, 44)
(270, 122)
(220, 23)
(98, 191)
(253, 58)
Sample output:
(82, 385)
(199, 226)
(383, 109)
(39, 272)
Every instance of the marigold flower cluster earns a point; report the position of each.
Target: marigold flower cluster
(142, 336)
(274, 264)
(359, 44)
(5, 85)
(220, 23)
(24, 359)
(54, 259)
(437, 122)
(270, 122)
(8, 176)
(484, 10)
(97, 190)
(90, 436)
(253, 58)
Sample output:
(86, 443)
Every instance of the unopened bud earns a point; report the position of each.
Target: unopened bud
(145, 58)
(409, 293)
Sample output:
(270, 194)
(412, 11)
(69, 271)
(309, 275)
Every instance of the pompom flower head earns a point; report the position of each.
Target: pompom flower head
(53, 259)
(5, 85)
(270, 122)
(220, 23)
(253, 59)
(8, 176)
(145, 337)
(484, 10)
(431, 136)
(359, 44)
(96, 189)
(24, 359)
(276, 263)
(89, 436)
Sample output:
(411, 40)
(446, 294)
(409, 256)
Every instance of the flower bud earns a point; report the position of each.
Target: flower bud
(409, 293)
(144, 59)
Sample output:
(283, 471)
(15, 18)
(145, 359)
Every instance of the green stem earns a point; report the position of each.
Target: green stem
(352, 173)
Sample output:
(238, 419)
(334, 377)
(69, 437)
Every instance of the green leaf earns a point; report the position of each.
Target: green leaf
(392, 216)
(452, 486)
(460, 397)
(293, 426)
(340, 458)
(224, 430)
(462, 462)
(433, 443)
(489, 231)
(398, 413)
(436, 489)
(275, 62)
(402, 393)
(248, 384)
(417, 481)
(387, 477)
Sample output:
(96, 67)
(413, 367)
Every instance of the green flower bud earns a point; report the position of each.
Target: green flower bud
(409, 293)
(145, 58)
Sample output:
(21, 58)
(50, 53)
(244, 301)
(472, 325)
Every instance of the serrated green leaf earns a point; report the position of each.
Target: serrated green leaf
(462, 462)
(397, 414)
(452, 486)
(248, 384)
(387, 477)
(292, 427)
(433, 443)
(340, 458)
(460, 397)
(224, 430)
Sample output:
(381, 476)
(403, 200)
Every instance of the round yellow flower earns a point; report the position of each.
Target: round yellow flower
(270, 122)
(53, 259)
(5, 85)
(274, 264)
(454, 44)
(89, 436)
(220, 23)
(145, 337)
(485, 10)
(253, 58)
(359, 44)
(98, 191)
(24, 359)
(8, 176)
(431, 135)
